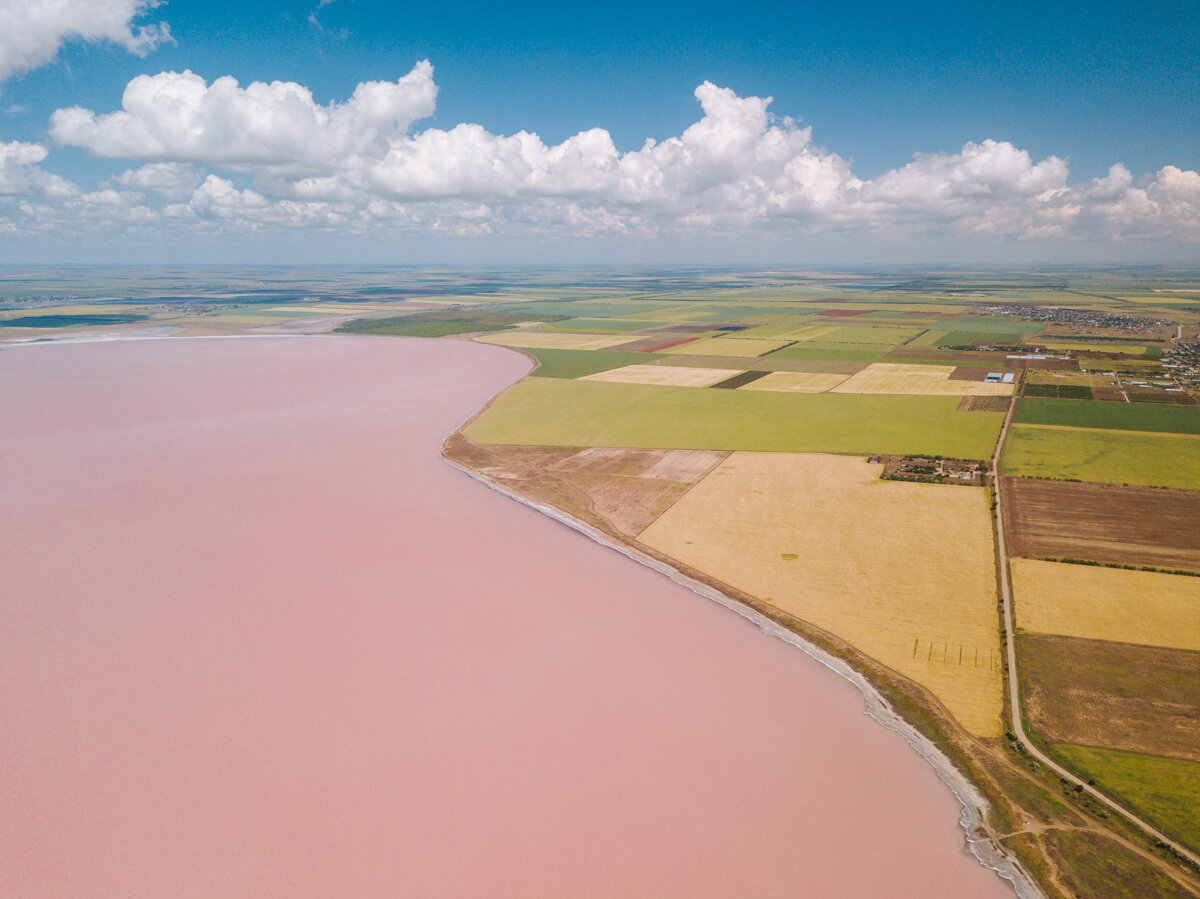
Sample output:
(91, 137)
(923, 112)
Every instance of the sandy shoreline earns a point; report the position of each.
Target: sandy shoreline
(974, 806)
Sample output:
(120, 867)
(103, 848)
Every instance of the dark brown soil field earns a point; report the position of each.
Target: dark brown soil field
(1103, 523)
(970, 373)
(657, 342)
(985, 404)
(1143, 395)
(1113, 695)
(739, 380)
(993, 361)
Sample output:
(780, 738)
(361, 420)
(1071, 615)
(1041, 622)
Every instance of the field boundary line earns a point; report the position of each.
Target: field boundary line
(1010, 645)
(1046, 427)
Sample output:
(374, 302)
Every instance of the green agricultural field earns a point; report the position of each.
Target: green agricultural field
(986, 361)
(840, 353)
(929, 338)
(1116, 416)
(795, 329)
(1076, 392)
(1090, 864)
(1132, 363)
(580, 363)
(580, 308)
(1081, 347)
(1103, 457)
(585, 413)
(1166, 791)
(987, 324)
(969, 338)
(70, 321)
(440, 323)
(873, 335)
(699, 312)
(614, 325)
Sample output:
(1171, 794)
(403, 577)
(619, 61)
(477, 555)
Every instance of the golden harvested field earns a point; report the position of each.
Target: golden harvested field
(1144, 607)
(552, 340)
(903, 571)
(796, 382)
(918, 380)
(727, 346)
(665, 375)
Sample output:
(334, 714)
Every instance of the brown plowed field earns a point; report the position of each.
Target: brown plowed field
(1113, 695)
(970, 373)
(618, 490)
(985, 404)
(1103, 523)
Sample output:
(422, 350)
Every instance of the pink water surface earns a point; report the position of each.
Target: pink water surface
(259, 640)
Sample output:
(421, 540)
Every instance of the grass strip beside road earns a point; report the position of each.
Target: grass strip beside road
(1166, 791)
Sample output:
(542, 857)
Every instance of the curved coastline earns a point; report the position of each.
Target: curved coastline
(972, 818)
(973, 805)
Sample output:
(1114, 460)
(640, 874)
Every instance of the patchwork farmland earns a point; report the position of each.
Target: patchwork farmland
(722, 422)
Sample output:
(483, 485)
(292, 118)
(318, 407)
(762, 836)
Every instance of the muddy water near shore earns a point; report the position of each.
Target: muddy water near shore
(259, 640)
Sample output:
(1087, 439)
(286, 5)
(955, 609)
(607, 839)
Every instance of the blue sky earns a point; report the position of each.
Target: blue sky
(1090, 86)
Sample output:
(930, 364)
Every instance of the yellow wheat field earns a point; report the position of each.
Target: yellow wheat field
(666, 375)
(551, 340)
(903, 571)
(795, 382)
(1144, 607)
(727, 346)
(926, 380)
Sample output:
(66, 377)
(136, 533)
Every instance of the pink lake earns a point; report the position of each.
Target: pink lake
(258, 640)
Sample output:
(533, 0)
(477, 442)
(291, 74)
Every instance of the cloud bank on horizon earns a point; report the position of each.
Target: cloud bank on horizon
(222, 158)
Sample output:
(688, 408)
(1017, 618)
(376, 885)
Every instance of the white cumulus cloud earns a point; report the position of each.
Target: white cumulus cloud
(21, 175)
(32, 31)
(170, 181)
(364, 165)
(179, 117)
